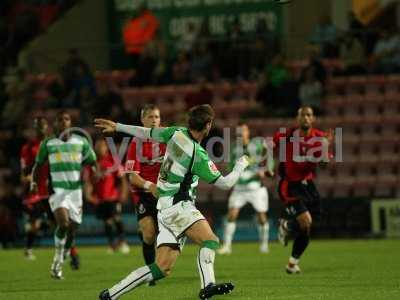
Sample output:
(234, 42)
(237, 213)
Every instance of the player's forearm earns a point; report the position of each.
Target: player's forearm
(137, 181)
(35, 174)
(35, 178)
(228, 181)
(138, 131)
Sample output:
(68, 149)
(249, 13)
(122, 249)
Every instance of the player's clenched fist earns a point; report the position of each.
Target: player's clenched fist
(106, 126)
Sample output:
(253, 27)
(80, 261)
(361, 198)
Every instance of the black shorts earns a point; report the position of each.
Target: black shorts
(108, 209)
(300, 197)
(147, 206)
(39, 210)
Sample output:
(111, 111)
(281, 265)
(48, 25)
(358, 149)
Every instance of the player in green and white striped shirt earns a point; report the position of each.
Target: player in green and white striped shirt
(67, 154)
(185, 162)
(249, 188)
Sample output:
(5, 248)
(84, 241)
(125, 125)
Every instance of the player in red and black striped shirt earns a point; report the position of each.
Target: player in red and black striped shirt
(304, 148)
(143, 164)
(35, 204)
(106, 191)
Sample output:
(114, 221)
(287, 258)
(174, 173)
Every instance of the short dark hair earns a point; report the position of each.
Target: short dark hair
(147, 108)
(60, 113)
(200, 116)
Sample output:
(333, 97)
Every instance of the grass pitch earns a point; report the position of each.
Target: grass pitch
(345, 269)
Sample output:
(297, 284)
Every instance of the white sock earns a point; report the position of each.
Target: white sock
(59, 247)
(263, 233)
(133, 280)
(293, 261)
(230, 229)
(205, 264)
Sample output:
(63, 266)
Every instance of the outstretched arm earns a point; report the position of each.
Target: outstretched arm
(108, 126)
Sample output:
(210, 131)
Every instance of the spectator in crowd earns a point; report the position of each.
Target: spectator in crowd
(352, 54)
(188, 38)
(145, 67)
(237, 61)
(201, 63)
(386, 56)
(311, 90)
(19, 91)
(138, 32)
(266, 45)
(277, 71)
(87, 104)
(326, 36)
(162, 68)
(181, 69)
(106, 98)
(367, 37)
(278, 91)
(76, 73)
(200, 95)
(316, 64)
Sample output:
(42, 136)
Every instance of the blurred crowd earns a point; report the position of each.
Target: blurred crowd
(22, 20)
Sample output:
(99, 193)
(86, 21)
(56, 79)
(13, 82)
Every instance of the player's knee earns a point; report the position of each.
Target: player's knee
(305, 226)
(262, 218)
(233, 214)
(149, 236)
(63, 225)
(232, 217)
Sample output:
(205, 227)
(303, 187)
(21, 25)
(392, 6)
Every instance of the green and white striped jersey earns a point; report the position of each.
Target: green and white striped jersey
(66, 160)
(185, 162)
(256, 151)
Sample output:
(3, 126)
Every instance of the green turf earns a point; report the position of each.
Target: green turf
(331, 270)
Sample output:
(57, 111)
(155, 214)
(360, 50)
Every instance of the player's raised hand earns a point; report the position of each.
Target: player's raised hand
(106, 126)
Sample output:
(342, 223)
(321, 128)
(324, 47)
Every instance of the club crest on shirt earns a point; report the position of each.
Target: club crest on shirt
(141, 209)
(212, 167)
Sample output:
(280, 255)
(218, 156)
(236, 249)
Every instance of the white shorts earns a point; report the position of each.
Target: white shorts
(258, 198)
(71, 200)
(174, 221)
